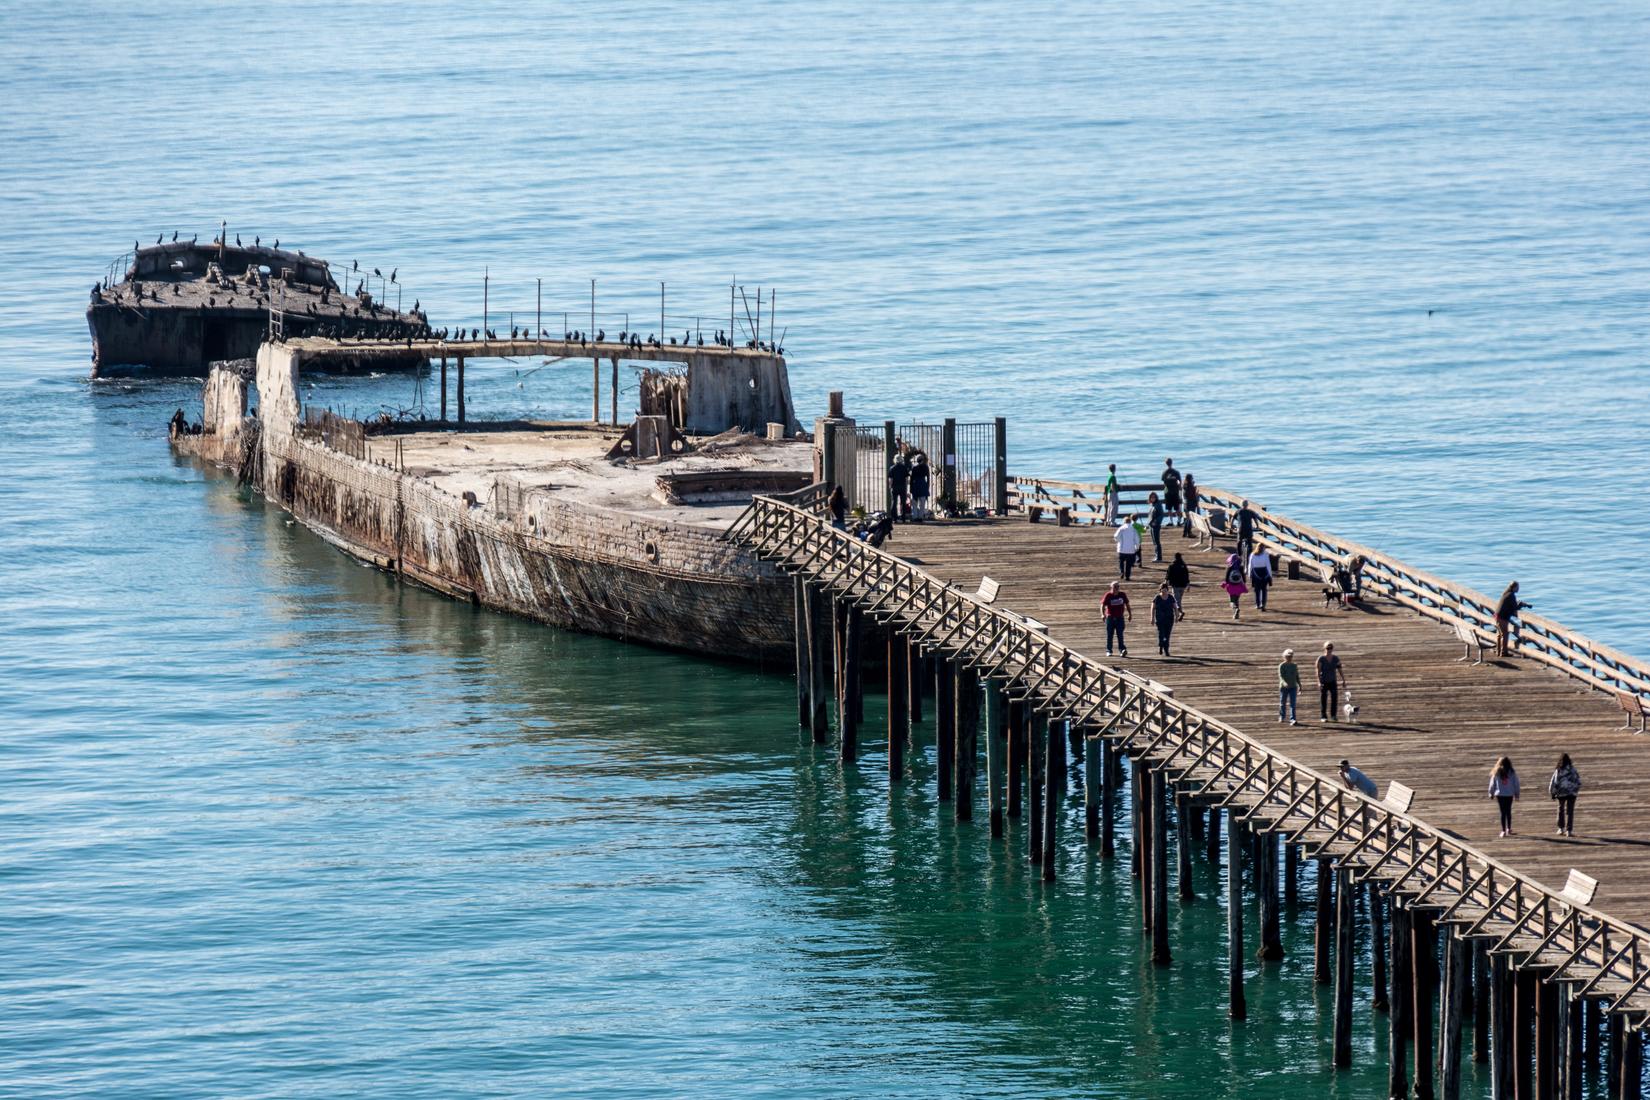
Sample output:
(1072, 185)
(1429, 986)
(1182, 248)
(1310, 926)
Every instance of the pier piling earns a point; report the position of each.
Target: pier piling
(1324, 924)
(1036, 744)
(1183, 848)
(1403, 1002)
(1237, 1005)
(945, 724)
(1054, 787)
(1160, 870)
(1107, 756)
(1424, 959)
(1455, 999)
(899, 720)
(804, 677)
(1017, 752)
(819, 662)
(996, 748)
(968, 730)
(1091, 793)
(1345, 950)
(1271, 938)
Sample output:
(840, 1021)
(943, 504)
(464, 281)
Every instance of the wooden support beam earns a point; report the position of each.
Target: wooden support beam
(1502, 1032)
(1482, 1006)
(799, 596)
(1345, 952)
(1456, 999)
(848, 702)
(1092, 797)
(1237, 1006)
(461, 389)
(1324, 924)
(1054, 788)
(1160, 870)
(945, 723)
(966, 759)
(1107, 755)
(614, 408)
(1547, 1046)
(1271, 937)
(1613, 1056)
(1017, 750)
(1524, 982)
(1630, 1070)
(443, 389)
(1183, 848)
(819, 662)
(1379, 986)
(595, 390)
(919, 681)
(1141, 795)
(1291, 876)
(996, 751)
(1213, 837)
(1570, 1066)
(1424, 982)
(1036, 746)
(899, 717)
(1403, 1003)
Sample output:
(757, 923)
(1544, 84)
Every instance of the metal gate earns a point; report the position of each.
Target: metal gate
(967, 459)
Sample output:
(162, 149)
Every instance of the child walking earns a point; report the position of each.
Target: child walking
(1504, 789)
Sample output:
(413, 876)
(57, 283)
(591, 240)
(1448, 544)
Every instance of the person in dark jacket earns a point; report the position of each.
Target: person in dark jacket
(1506, 610)
(919, 482)
(838, 504)
(1164, 610)
(1171, 487)
(1563, 788)
(1179, 576)
(1245, 531)
(1188, 505)
(899, 480)
(1155, 523)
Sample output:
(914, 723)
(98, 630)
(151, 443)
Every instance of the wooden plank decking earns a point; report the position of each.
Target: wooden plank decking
(1427, 720)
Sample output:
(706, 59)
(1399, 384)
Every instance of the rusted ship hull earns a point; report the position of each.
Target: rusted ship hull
(566, 564)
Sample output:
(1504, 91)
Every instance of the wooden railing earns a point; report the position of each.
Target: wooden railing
(1539, 638)
(1608, 959)
(1087, 503)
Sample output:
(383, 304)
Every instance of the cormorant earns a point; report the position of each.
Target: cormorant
(256, 241)
(238, 243)
(701, 341)
(174, 236)
(277, 243)
(160, 238)
(601, 335)
(378, 273)
(392, 273)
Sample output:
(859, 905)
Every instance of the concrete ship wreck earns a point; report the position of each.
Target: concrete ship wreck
(605, 529)
(177, 307)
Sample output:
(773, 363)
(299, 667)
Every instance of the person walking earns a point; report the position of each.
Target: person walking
(1156, 525)
(1115, 604)
(1289, 687)
(1260, 576)
(1111, 494)
(1171, 487)
(1562, 788)
(1188, 505)
(1245, 529)
(1331, 678)
(1506, 610)
(1164, 610)
(1128, 546)
(838, 504)
(1179, 576)
(1356, 780)
(919, 485)
(899, 480)
(1233, 584)
(1504, 789)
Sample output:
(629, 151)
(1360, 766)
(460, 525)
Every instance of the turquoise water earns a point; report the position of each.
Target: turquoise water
(276, 827)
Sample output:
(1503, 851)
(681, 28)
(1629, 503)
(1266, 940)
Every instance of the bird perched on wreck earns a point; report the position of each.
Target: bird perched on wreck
(174, 236)
(238, 243)
(601, 335)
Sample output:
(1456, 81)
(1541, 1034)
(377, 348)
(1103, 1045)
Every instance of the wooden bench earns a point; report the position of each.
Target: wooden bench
(1398, 798)
(1203, 531)
(1469, 639)
(1579, 888)
(988, 590)
(1632, 705)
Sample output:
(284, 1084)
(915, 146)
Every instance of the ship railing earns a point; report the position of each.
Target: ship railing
(1536, 926)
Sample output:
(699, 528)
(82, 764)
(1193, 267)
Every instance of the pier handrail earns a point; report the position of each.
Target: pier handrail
(1539, 926)
(1548, 642)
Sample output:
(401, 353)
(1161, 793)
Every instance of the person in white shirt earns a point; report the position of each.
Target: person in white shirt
(1128, 545)
(1357, 780)
(1260, 576)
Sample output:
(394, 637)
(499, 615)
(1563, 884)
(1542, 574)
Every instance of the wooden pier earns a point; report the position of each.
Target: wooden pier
(1533, 946)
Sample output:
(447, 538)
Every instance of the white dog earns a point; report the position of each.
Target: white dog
(1349, 708)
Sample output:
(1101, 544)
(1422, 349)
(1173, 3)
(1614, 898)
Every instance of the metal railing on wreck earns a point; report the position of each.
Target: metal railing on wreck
(1534, 925)
(1455, 605)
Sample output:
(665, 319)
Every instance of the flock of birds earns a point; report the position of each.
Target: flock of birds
(633, 340)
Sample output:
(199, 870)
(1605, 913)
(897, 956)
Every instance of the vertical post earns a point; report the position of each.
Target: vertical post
(945, 723)
(804, 705)
(615, 391)
(1160, 870)
(1482, 1009)
(538, 311)
(1183, 846)
(948, 469)
(1092, 783)
(1054, 786)
(1403, 1002)
(996, 746)
(918, 665)
(486, 286)
(1271, 939)
(1017, 751)
(1035, 766)
(1144, 827)
(1457, 983)
(1546, 1040)
(1324, 925)
(1613, 1057)
(443, 389)
(848, 711)
(1570, 1018)
(1524, 1023)
(1424, 960)
(1237, 1005)
(1501, 1029)
(1590, 1029)
(1106, 755)
(1345, 947)
(461, 389)
(1379, 907)
(819, 662)
(595, 390)
(968, 730)
(1291, 876)
(1213, 837)
(887, 464)
(1000, 495)
(899, 721)
(1630, 1077)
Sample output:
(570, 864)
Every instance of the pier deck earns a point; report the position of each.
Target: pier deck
(1427, 720)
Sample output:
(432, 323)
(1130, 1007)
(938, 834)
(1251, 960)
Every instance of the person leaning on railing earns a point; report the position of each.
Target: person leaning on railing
(1506, 610)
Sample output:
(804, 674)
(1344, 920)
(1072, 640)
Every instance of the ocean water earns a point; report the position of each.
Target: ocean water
(277, 827)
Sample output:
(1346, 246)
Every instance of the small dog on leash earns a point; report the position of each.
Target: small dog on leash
(1349, 708)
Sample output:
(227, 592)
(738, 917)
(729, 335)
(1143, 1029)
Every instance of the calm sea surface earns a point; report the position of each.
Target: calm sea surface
(277, 827)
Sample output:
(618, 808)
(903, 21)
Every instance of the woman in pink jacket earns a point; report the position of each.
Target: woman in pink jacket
(1504, 789)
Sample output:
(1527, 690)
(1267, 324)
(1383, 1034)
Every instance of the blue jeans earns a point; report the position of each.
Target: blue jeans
(1114, 628)
(1286, 701)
